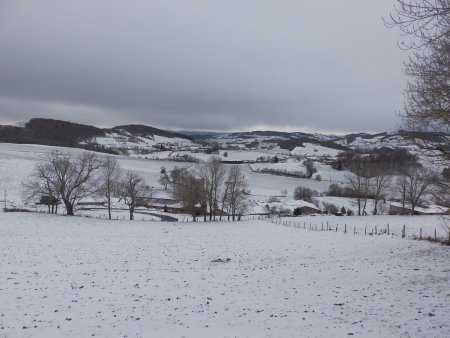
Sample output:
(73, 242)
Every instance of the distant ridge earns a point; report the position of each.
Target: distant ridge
(143, 130)
(68, 134)
(123, 138)
(49, 132)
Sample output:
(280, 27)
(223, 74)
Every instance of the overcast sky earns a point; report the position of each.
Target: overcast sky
(202, 64)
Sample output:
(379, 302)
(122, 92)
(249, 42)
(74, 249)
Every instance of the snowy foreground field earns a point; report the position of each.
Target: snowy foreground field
(79, 277)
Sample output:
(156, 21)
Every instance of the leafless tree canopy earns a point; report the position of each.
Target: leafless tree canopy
(236, 188)
(134, 191)
(211, 189)
(65, 177)
(426, 23)
(360, 182)
(109, 180)
(426, 20)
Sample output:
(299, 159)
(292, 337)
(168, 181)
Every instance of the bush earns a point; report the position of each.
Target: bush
(330, 208)
(335, 190)
(310, 168)
(304, 194)
(273, 199)
(297, 211)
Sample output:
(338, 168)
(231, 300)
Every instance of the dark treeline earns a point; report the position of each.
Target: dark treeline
(391, 160)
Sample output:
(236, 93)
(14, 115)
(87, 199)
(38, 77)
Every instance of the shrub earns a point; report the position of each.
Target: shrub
(335, 190)
(330, 208)
(305, 194)
(297, 211)
(273, 199)
(310, 168)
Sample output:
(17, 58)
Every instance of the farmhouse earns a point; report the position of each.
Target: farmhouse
(397, 209)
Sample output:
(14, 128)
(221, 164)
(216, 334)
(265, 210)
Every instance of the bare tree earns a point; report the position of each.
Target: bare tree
(164, 178)
(110, 177)
(360, 182)
(134, 191)
(310, 168)
(40, 185)
(401, 187)
(174, 176)
(379, 183)
(426, 20)
(188, 190)
(212, 172)
(237, 190)
(70, 178)
(427, 104)
(419, 183)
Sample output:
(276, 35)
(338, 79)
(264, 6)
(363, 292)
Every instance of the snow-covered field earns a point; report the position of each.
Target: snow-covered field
(77, 277)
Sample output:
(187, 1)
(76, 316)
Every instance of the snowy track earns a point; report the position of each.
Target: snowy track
(63, 276)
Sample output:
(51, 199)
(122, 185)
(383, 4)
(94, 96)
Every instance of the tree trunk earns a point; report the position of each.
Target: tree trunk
(131, 213)
(69, 208)
(109, 208)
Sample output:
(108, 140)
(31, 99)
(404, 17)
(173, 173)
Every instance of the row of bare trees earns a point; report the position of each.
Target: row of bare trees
(69, 179)
(410, 185)
(210, 189)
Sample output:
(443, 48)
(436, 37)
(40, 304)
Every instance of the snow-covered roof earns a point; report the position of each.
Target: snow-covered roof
(429, 209)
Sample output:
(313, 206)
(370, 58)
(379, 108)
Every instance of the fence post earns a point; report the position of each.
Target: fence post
(421, 233)
(354, 230)
(404, 231)
(345, 228)
(365, 231)
(336, 227)
(322, 226)
(388, 229)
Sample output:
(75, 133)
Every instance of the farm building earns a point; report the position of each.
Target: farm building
(397, 209)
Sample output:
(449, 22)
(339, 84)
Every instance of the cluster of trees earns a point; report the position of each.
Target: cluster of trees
(392, 160)
(210, 189)
(305, 194)
(69, 179)
(411, 185)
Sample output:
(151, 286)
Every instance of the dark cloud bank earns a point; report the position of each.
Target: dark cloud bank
(235, 64)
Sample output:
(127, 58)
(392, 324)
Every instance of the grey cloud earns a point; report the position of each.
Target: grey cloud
(201, 64)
